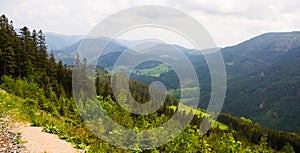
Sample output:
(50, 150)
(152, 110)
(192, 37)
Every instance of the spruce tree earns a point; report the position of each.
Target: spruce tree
(7, 52)
(27, 53)
(42, 51)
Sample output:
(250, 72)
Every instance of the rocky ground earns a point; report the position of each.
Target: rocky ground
(10, 142)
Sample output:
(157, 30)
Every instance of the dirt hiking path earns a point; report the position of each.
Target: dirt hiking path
(37, 141)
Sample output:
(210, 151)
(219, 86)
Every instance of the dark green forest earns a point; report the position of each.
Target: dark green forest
(38, 89)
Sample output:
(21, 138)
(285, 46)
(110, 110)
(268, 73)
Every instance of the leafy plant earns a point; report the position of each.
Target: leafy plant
(51, 129)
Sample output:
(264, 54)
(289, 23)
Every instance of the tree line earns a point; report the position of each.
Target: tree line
(23, 54)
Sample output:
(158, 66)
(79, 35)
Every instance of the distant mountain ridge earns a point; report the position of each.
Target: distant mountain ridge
(67, 53)
(56, 41)
(260, 51)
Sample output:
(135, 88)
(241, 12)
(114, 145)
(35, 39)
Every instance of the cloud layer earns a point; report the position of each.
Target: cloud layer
(228, 21)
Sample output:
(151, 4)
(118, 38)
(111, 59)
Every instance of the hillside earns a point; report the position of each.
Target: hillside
(263, 78)
(259, 52)
(68, 126)
(35, 88)
(262, 75)
(271, 96)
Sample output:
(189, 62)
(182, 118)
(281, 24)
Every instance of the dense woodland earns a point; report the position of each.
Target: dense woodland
(24, 55)
(35, 88)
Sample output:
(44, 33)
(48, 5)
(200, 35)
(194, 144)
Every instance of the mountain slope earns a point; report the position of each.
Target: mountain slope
(67, 53)
(270, 96)
(263, 80)
(259, 52)
(56, 41)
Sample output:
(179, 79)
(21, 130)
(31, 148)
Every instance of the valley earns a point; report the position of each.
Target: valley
(256, 70)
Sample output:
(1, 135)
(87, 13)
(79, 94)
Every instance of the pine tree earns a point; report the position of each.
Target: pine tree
(51, 66)
(6, 42)
(17, 45)
(60, 72)
(34, 50)
(26, 56)
(42, 51)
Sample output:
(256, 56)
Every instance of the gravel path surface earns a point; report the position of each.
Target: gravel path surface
(37, 141)
(22, 138)
(10, 141)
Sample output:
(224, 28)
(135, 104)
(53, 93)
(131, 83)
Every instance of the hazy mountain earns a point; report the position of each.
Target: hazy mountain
(132, 43)
(67, 53)
(56, 41)
(116, 47)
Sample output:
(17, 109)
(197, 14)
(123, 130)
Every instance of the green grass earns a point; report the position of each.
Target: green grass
(216, 124)
(175, 92)
(219, 125)
(186, 100)
(11, 105)
(188, 109)
(185, 89)
(156, 71)
(188, 94)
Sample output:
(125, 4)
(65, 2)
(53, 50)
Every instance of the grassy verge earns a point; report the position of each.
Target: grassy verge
(71, 130)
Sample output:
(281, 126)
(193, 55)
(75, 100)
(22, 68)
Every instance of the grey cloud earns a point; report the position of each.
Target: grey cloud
(228, 21)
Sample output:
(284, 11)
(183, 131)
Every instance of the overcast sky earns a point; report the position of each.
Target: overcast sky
(228, 21)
